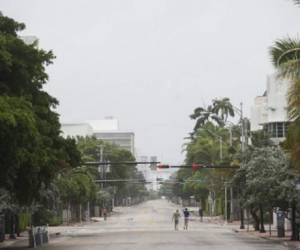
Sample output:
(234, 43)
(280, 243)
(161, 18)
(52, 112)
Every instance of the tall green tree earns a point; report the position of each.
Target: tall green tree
(205, 115)
(90, 148)
(30, 144)
(265, 181)
(223, 108)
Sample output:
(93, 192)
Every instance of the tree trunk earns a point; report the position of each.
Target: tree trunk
(12, 226)
(262, 226)
(255, 218)
(242, 226)
(295, 230)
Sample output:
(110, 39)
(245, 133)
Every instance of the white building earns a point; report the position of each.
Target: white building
(76, 129)
(153, 175)
(124, 140)
(270, 110)
(29, 39)
(106, 130)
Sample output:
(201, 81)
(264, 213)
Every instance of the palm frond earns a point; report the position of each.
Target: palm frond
(294, 100)
(284, 51)
(297, 2)
(197, 113)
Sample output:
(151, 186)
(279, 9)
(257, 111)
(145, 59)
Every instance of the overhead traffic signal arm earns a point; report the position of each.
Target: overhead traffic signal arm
(196, 166)
(97, 163)
(163, 166)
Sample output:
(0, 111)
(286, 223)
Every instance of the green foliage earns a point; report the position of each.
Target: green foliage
(216, 113)
(31, 149)
(77, 186)
(265, 179)
(203, 116)
(204, 148)
(285, 56)
(90, 151)
(24, 221)
(45, 216)
(260, 139)
(223, 108)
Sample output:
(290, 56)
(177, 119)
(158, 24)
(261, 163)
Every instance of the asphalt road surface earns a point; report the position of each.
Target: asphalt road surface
(149, 227)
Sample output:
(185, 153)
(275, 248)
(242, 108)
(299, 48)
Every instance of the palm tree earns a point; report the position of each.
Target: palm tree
(223, 108)
(202, 116)
(297, 2)
(286, 58)
(285, 55)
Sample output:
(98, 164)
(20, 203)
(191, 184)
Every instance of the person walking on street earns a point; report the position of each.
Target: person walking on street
(104, 211)
(186, 215)
(201, 214)
(175, 218)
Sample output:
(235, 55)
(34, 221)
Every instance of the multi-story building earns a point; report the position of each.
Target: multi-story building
(124, 140)
(76, 129)
(270, 110)
(106, 130)
(29, 39)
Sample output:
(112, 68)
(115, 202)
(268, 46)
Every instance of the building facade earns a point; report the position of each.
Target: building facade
(76, 129)
(124, 140)
(270, 110)
(106, 130)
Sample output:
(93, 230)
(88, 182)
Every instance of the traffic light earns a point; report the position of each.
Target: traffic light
(160, 166)
(196, 166)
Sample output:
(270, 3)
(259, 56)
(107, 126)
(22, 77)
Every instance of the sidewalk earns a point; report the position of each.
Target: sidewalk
(19, 242)
(54, 233)
(235, 226)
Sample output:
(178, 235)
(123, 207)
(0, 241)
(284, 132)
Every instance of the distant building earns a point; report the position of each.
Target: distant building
(124, 140)
(29, 39)
(76, 129)
(270, 110)
(106, 130)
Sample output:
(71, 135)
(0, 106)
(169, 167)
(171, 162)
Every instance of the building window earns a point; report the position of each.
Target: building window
(276, 129)
(280, 130)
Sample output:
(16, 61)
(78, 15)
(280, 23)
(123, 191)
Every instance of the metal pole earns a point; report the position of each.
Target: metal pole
(230, 134)
(242, 129)
(231, 204)
(221, 149)
(225, 210)
(101, 160)
(242, 226)
(100, 169)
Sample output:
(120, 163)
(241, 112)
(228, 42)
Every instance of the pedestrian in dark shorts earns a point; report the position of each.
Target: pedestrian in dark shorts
(186, 215)
(201, 213)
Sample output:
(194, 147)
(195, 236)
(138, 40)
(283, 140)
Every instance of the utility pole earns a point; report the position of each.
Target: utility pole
(225, 207)
(231, 204)
(100, 167)
(100, 170)
(242, 226)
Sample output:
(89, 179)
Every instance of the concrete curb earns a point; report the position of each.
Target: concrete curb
(23, 241)
(290, 246)
(287, 244)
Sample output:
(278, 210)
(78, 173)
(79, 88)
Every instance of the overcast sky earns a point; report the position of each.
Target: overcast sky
(149, 63)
